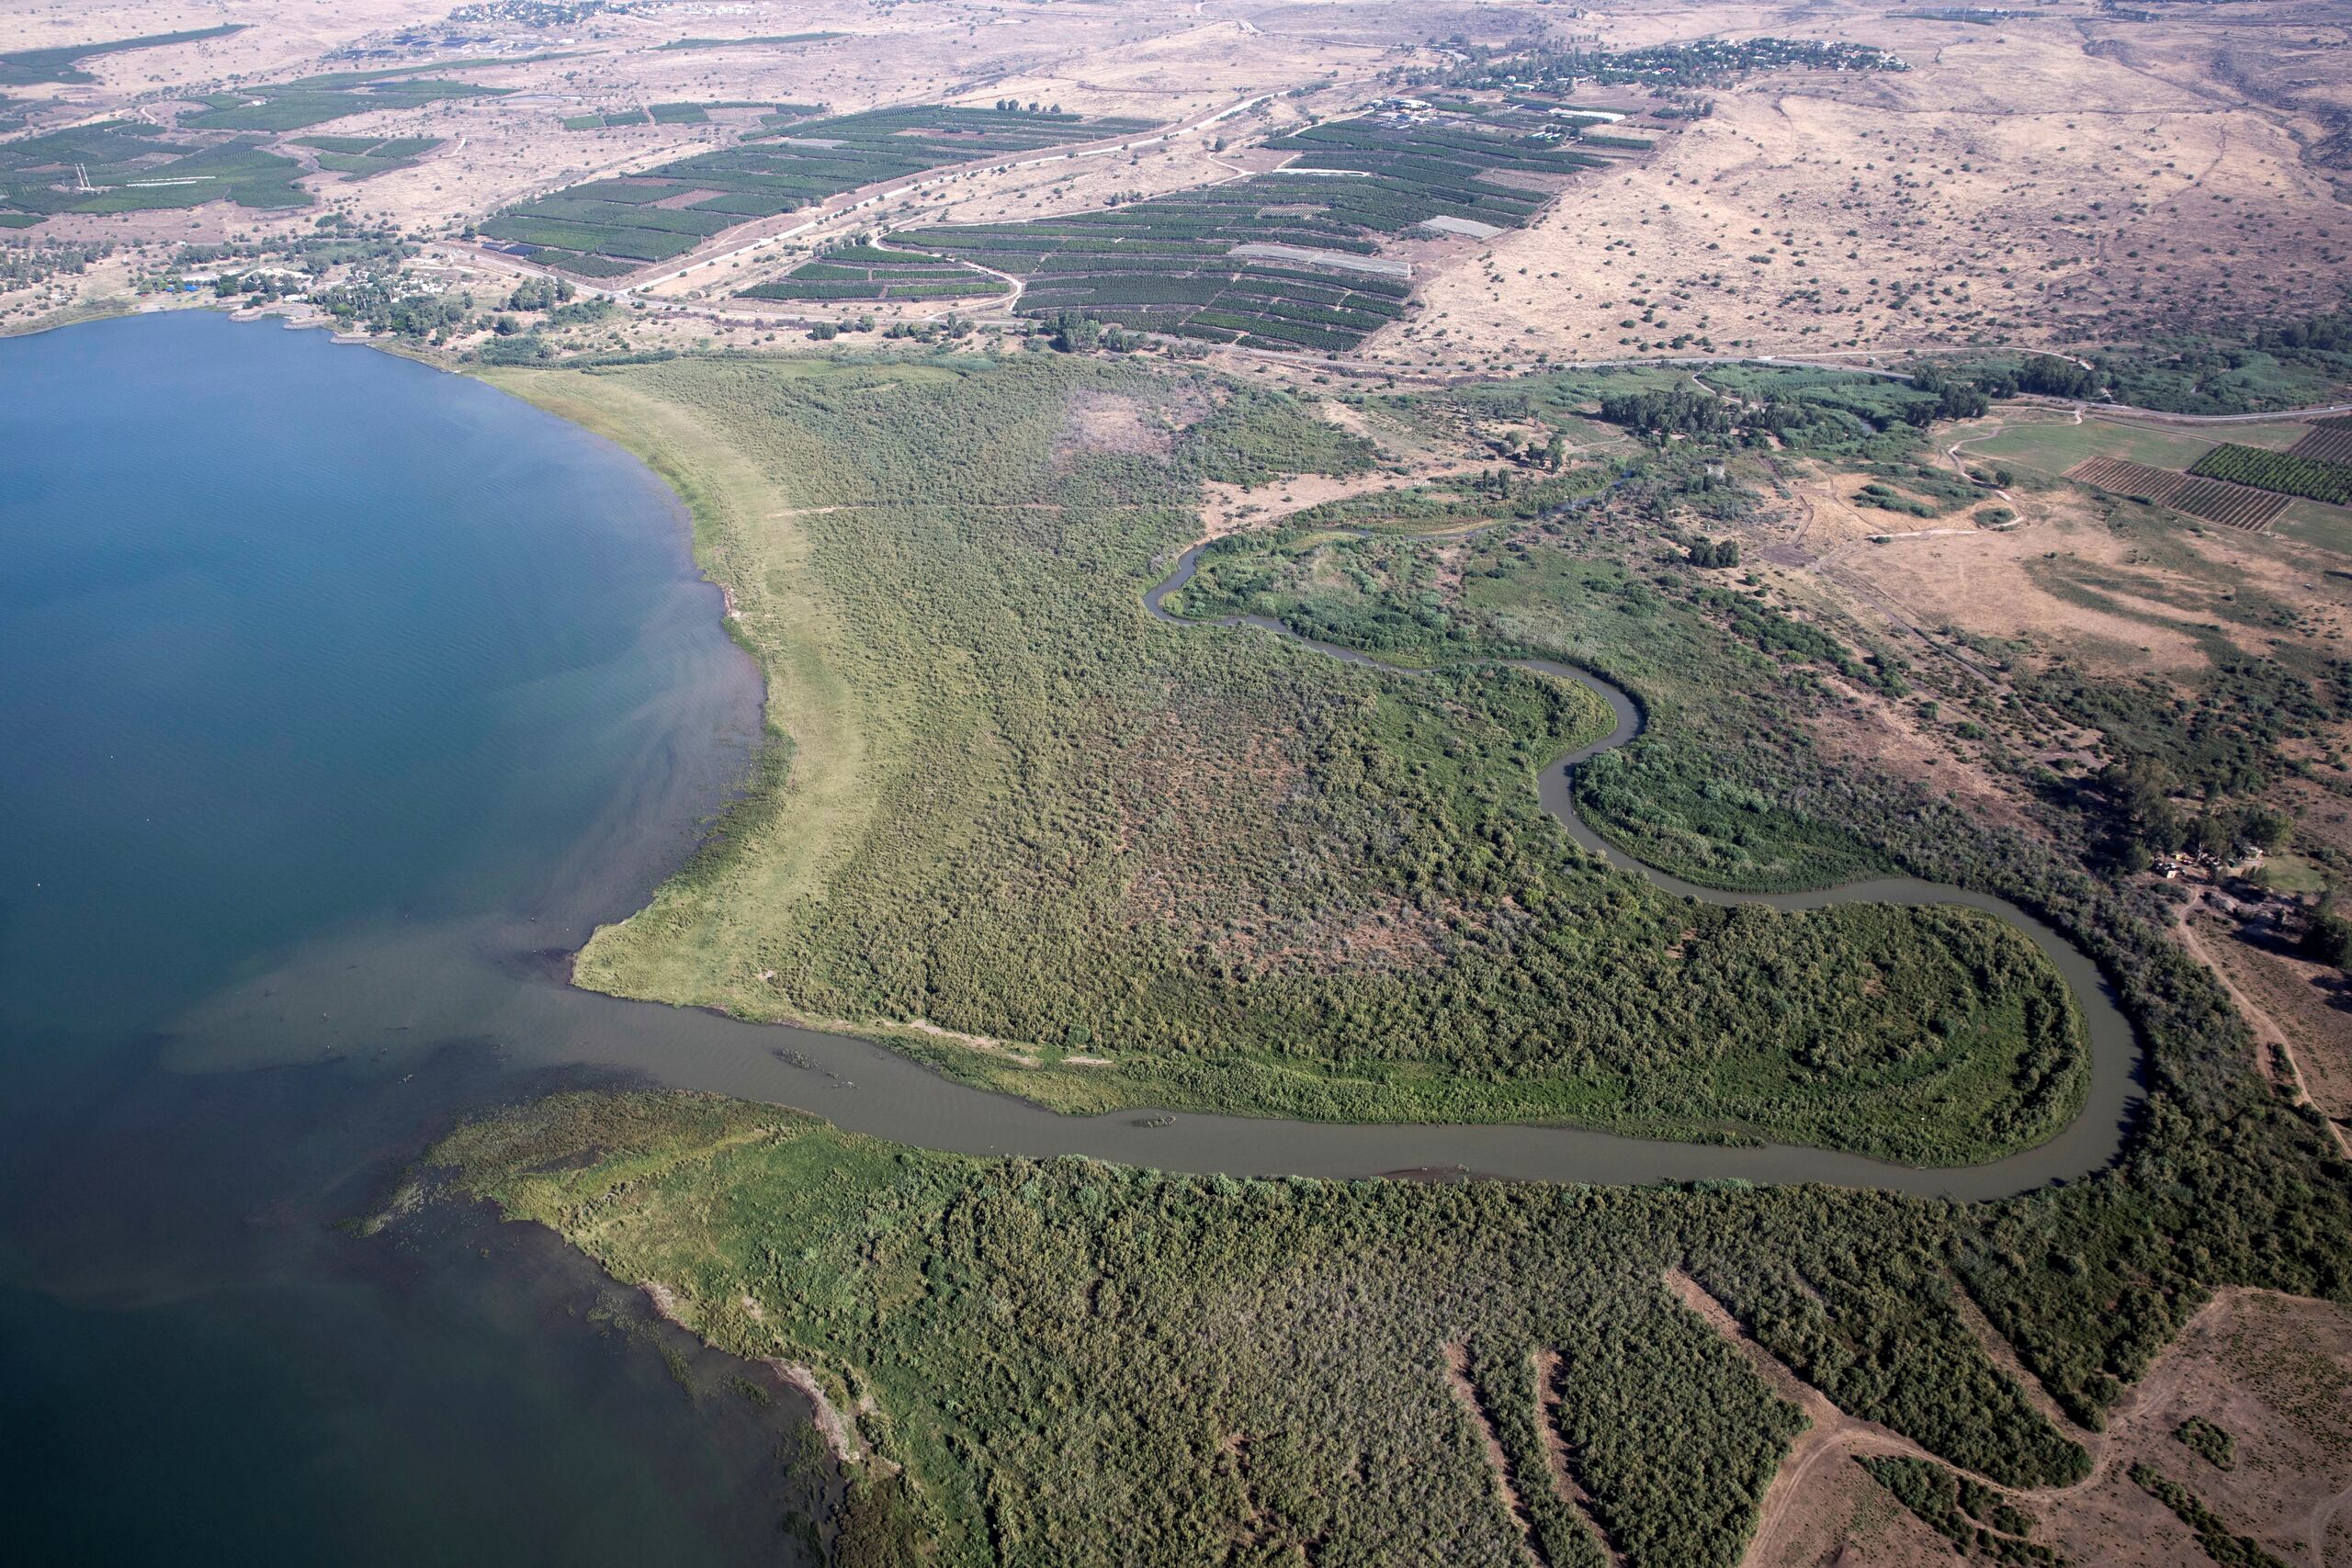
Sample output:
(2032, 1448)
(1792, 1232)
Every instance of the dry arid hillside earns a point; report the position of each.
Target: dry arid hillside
(2059, 173)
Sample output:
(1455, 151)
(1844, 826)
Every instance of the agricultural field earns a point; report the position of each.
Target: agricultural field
(2330, 441)
(1290, 259)
(873, 272)
(362, 157)
(2288, 473)
(318, 99)
(25, 67)
(613, 120)
(2216, 501)
(131, 166)
(762, 40)
(611, 227)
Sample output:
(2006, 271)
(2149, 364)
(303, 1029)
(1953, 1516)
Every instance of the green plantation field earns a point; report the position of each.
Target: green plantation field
(2310, 478)
(1190, 264)
(362, 156)
(307, 102)
(869, 272)
(617, 120)
(24, 67)
(137, 168)
(764, 39)
(606, 227)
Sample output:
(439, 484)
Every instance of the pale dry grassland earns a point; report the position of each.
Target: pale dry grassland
(2026, 182)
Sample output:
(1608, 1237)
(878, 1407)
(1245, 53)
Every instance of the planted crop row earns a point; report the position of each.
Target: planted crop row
(797, 163)
(1155, 263)
(2284, 472)
(2329, 441)
(606, 121)
(636, 244)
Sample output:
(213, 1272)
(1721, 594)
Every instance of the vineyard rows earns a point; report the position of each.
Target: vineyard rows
(2282, 471)
(2329, 441)
(608, 227)
(1191, 264)
(2215, 501)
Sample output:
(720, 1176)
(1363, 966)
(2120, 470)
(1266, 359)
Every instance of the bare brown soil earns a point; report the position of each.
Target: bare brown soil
(1548, 1394)
(2273, 1372)
(2300, 1012)
(2022, 182)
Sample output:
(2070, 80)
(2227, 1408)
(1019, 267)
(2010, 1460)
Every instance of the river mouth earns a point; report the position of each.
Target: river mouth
(345, 698)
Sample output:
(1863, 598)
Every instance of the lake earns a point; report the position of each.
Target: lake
(308, 653)
(340, 699)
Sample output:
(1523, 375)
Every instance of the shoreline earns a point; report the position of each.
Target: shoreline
(2089, 1141)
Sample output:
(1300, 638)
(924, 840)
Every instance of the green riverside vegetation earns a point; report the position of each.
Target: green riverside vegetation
(1067, 1362)
(1133, 864)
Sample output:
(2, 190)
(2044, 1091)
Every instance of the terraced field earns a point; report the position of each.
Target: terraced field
(610, 227)
(1289, 259)
(2216, 501)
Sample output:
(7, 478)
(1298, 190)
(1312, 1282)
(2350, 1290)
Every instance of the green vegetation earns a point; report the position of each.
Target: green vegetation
(870, 272)
(2209, 1442)
(1712, 62)
(1972, 1516)
(763, 39)
(1276, 260)
(61, 64)
(1065, 1360)
(132, 167)
(1260, 1362)
(1721, 785)
(1224, 872)
(2220, 731)
(298, 104)
(2228, 1550)
(2246, 368)
(362, 156)
(2279, 472)
(1267, 1362)
(606, 227)
(615, 120)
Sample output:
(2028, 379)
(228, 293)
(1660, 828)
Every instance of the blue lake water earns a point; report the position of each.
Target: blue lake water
(329, 684)
(340, 699)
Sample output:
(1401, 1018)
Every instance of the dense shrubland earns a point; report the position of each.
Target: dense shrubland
(1078, 1362)
(1241, 875)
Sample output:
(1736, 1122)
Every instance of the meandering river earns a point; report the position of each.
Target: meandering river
(342, 699)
